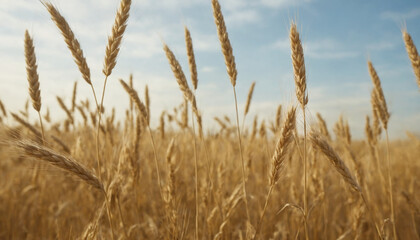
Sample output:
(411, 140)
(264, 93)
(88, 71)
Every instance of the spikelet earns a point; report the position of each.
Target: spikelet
(31, 72)
(412, 54)
(70, 40)
(282, 146)
(298, 66)
(191, 58)
(248, 100)
(224, 42)
(319, 143)
(114, 41)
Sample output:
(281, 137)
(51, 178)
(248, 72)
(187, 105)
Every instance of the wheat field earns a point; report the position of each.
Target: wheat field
(96, 176)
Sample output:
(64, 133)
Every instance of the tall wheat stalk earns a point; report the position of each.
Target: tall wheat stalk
(143, 112)
(232, 72)
(279, 157)
(379, 103)
(321, 144)
(188, 95)
(302, 96)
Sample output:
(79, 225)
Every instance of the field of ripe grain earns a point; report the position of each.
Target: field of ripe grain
(92, 176)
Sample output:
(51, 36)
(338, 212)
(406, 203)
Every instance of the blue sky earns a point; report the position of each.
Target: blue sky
(338, 37)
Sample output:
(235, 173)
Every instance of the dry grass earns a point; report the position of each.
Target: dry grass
(204, 191)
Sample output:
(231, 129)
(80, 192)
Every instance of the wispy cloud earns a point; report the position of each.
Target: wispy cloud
(401, 16)
(380, 46)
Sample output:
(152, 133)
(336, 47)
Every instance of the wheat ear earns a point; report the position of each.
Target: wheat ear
(135, 98)
(48, 155)
(32, 74)
(320, 143)
(33, 79)
(191, 58)
(298, 65)
(114, 40)
(248, 102)
(183, 85)
(412, 54)
(224, 41)
(378, 96)
(70, 40)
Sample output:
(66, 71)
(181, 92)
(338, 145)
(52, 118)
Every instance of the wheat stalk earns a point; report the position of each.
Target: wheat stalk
(299, 71)
(232, 72)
